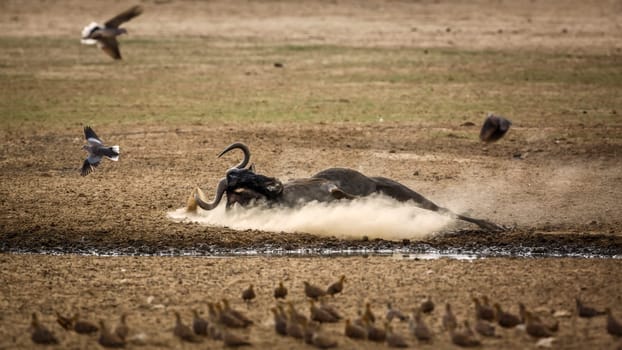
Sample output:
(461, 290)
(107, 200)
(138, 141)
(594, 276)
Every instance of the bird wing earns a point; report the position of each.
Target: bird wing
(91, 136)
(124, 16)
(110, 47)
(87, 168)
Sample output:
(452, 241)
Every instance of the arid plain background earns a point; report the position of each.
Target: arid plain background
(386, 87)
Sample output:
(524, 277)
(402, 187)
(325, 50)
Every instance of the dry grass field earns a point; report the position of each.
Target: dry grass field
(390, 88)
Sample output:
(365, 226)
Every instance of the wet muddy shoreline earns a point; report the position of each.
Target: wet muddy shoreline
(473, 243)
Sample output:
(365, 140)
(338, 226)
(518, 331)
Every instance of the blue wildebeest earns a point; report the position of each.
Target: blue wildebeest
(243, 186)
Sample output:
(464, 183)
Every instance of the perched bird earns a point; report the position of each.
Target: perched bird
(228, 319)
(235, 313)
(280, 292)
(587, 311)
(96, 151)
(199, 324)
(484, 312)
(39, 333)
(463, 339)
(354, 331)
(535, 328)
(336, 287)
(614, 327)
(122, 330)
(506, 319)
(248, 294)
(449, 319)
(368, 314)
(418, 327)
(108, 339)
(550, 323)
(184, 332)
(233, 340)
(280, 321)
(313, 292)
(494, 128)
(485, 328)
(394, 313)
(105, 36)
(427, 305)
(393, 339)
(65, 322)
(321, 315)
(83, 327)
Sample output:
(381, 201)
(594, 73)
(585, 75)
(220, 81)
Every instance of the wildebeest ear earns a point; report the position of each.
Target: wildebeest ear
(252, 167)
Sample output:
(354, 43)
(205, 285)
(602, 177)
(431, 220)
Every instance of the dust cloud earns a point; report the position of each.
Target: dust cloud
(374, 217)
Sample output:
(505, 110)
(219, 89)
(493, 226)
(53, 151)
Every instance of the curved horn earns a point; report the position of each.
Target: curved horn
(220, 190)
(244, 148)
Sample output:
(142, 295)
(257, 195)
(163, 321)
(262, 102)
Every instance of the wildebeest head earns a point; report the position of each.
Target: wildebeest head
(241, 184)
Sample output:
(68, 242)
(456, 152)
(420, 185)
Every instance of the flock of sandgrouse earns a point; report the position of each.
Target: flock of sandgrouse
(222, 319)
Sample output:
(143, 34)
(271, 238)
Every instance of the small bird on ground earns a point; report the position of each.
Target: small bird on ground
(463, 338)
(294, 314)
(248, 294)
(39, 333)
(65, 322)
(354, 331)
(105, 36)
(227, 309)
(484, 312)
(199, 324)
(394, 340)
(484, 328)
(122, 330)
(82, 326)
(296, 328)
(394, 313)
(280, 292)
(97, 151)
(108, 339)
(614, 327)
(313, 292)
(534, 328)
(321, 315)
(321, 340)
(418, 327)
(449, 320)
(427, 305)
(330, 309)
(506, 319)
(280, 321)
(184, 332)
(585, 311)
(368, 314)
(494, 128)
(336, 287)
(233, 340)
(374, 333)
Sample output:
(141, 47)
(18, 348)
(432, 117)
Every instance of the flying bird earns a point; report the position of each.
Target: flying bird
(105, 36)
(97, 150)
(494, 128)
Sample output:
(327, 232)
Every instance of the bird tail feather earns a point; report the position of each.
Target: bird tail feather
(115, 150)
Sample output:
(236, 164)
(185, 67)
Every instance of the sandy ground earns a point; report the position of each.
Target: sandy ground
(557, 194)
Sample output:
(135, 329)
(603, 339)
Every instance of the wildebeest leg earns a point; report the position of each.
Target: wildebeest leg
(402, 193)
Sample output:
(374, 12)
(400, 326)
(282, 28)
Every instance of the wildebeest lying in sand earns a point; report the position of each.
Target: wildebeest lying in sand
(245, 187)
